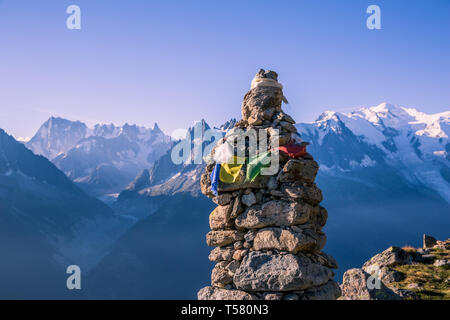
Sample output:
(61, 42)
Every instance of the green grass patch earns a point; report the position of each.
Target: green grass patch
(433, 281)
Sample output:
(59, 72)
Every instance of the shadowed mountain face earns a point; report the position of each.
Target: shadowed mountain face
(46, 224)
(34, 189)
(163, 256)
(364, 219)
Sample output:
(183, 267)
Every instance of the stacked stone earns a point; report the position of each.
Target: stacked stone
(268, 232)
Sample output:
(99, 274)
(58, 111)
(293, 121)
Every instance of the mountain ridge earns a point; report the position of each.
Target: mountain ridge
(102, 159)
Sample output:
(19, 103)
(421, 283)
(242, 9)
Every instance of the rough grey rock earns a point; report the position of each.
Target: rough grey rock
(266, 74)
(427, 257)
(299, 170)
(273, 296)
(220, 276)
(327, 260)
(223, 199)
(233, 266)
(309, 193)
(211, 293)
(444, 245)
(414, 286)
(272, 184)
(237, 208)
(223, 238)
(319, 216)
(285, 117)
(283, 239)
(274, 213)
(250, 235)
(388, 275)
(260, 271)
(428, 241)
(220, 218)
(354, 287)
(258, 100)
(249, 199)
(441, 262)
(239, 254)
(388, 258)
(239, 244)
(221, 254)
(288, 126)
(328, 291)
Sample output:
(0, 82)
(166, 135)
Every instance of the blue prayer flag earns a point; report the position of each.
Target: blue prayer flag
(215, 179)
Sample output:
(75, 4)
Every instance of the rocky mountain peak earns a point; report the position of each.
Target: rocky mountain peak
(329, 119)
(386, 107)
(228, 125)
(141, 181)
(56, 136)
(156, 128)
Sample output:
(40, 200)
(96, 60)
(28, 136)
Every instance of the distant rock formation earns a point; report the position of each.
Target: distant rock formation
(268, 230)
(402, 274)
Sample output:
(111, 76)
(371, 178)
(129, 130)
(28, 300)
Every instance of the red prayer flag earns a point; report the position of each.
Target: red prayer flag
(294, 150)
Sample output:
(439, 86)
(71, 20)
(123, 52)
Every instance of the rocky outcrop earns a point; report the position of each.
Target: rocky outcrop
(428, 241)
(388, 258)
(401, 274)
(268, 230)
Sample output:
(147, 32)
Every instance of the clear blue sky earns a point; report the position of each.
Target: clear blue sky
(174, 62)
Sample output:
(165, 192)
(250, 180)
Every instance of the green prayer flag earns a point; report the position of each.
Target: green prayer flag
(256, 164)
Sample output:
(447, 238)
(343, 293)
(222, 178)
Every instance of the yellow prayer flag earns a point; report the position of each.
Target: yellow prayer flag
(229, 172)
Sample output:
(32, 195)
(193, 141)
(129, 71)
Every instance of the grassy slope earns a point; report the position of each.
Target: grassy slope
(434, 282)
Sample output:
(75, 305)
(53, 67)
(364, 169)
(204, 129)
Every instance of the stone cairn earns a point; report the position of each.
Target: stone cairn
(268, 232)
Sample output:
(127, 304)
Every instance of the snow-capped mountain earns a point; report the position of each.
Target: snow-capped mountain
(413, 143)
(102, 159)
(370, 145)
(57, 136)
(148, 191)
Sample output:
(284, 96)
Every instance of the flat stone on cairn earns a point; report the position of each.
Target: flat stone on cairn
(267, 233)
